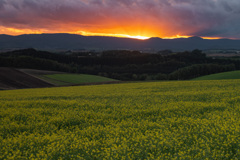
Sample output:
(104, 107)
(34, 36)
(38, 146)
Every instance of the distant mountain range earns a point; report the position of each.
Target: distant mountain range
(77, 42)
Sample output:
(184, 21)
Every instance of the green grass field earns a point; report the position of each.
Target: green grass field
(152, 120)
(221, 76)
(66, 79)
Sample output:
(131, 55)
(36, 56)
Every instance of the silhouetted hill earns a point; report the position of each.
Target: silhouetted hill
(78, 42)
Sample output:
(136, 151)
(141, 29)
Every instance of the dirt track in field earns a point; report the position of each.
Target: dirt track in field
(11, 78)
(38, 72)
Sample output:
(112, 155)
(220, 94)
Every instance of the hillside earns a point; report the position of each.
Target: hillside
(220, 76)
(74, 79)
(122, 64)
(154, 120)
(14, 79)
(11, 78)
(63, 78)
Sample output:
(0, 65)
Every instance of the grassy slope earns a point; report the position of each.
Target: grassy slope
(219, 76)
(53, 81)
(157, 120)
(65, 79)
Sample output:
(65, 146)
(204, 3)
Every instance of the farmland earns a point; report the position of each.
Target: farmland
(11, 78)
(151, 120)
(69, 79)
(220, 76)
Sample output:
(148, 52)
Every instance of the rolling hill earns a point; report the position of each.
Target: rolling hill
(151, 120)
(11, 78)
(220, 76)
(74, 79)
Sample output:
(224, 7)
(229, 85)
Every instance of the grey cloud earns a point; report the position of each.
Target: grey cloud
(209, 17)
(226, 6)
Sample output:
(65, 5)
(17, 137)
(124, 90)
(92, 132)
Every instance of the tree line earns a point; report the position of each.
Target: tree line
(122, 64)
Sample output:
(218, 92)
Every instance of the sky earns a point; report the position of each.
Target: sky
(123, 18)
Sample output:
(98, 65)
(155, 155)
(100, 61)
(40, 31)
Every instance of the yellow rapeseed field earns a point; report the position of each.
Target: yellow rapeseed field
(153, 120)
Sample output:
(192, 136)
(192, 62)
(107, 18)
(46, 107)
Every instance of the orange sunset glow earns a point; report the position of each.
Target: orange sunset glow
(15, 32)
(140, 19)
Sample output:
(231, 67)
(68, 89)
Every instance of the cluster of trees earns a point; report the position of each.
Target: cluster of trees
(34, 63)
(123, 65)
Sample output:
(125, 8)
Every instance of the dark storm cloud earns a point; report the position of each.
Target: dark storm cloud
(192, 17)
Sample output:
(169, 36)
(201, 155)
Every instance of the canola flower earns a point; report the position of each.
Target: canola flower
(154, 120)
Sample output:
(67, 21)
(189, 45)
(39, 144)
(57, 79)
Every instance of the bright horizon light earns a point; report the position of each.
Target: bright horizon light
(111, 35)
(139, 37)
(15, 32)
(137, 19)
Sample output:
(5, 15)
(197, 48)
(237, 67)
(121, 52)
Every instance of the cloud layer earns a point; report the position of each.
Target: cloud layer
(162, 18)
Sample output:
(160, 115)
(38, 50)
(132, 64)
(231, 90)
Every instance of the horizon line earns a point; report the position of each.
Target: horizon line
(138, 37)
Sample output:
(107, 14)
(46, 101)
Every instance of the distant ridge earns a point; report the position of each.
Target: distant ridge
(78, 42)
